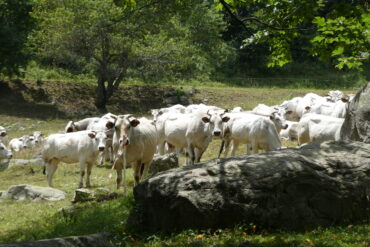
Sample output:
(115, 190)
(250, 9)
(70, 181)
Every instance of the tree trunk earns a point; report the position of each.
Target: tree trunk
(101, 96)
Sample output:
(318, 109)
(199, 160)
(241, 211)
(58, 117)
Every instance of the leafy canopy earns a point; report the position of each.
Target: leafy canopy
(15, 25)
(338, 30)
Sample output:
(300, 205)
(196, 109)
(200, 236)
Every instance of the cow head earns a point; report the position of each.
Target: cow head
(126, 124)
(278, 121)
(26, 141)
(4, 152)
(215, 122)
(71, 127)
(156, 113)
(37, 135)
(100, 138)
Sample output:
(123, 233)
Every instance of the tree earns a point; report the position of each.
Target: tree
(114, 38)
(15, 25)
(338, 30)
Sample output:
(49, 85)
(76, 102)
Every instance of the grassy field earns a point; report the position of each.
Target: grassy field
(38, 220)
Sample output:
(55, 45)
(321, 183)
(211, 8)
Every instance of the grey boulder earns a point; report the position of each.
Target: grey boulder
(22, 162)
(93, 240)
(31, 192)
(356, 125)
(319, 184)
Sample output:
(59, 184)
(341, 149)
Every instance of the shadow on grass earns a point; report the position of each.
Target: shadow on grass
(87, 218)
(14, 103)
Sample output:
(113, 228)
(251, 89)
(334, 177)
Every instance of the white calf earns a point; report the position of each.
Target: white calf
(81, 146)
(315, 127)
(37, 138)
(17, 144)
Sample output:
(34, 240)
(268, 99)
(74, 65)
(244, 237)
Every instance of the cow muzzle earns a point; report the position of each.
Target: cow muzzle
(101, 148)
(124, 142)
(285, 126)
(216, 133)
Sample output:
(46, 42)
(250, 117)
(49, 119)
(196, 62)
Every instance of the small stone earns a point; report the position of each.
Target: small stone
(83, 195)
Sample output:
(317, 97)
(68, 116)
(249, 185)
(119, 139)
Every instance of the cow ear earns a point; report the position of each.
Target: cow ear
(109, 125)
(70, 129)
(307, 108)
(91, 135)
(21, 139)
(272, 117)
(289, 112)
(345, 99)
(205, 119)
(225, 119)
(134, 122)
(3, 134)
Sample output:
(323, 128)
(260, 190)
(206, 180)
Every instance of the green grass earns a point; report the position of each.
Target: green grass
(37, 220)
(319, 78)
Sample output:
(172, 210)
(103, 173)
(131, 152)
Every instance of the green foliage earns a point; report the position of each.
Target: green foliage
(337, 30)
(15, 25)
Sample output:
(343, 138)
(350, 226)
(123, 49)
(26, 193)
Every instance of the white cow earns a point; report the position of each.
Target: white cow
(80, 125)
(247, 128)
(203, 108)
(37, 138)
(4, 152)
(191, 131)
(237, 109)
(316, 127)
(82, 146)
(17, 144)
(136, 141)
(275, 113)
(298, 106)
(290, 133)
(337, 109)
(334, 96)
(173, 109)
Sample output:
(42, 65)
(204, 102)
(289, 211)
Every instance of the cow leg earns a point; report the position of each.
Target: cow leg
(235, 147)
(51, 167)
(88, 173)
(111, 152)
(82, 173)
(161, 148)
(145, 169)
(137, 172)
(198, 154)
(227, 147)
(191, 153)
(254, 147)
(249, 148)
(118, 166)
(101, 156)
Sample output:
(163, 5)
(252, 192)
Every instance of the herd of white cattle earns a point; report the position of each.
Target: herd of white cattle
(126, 140)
